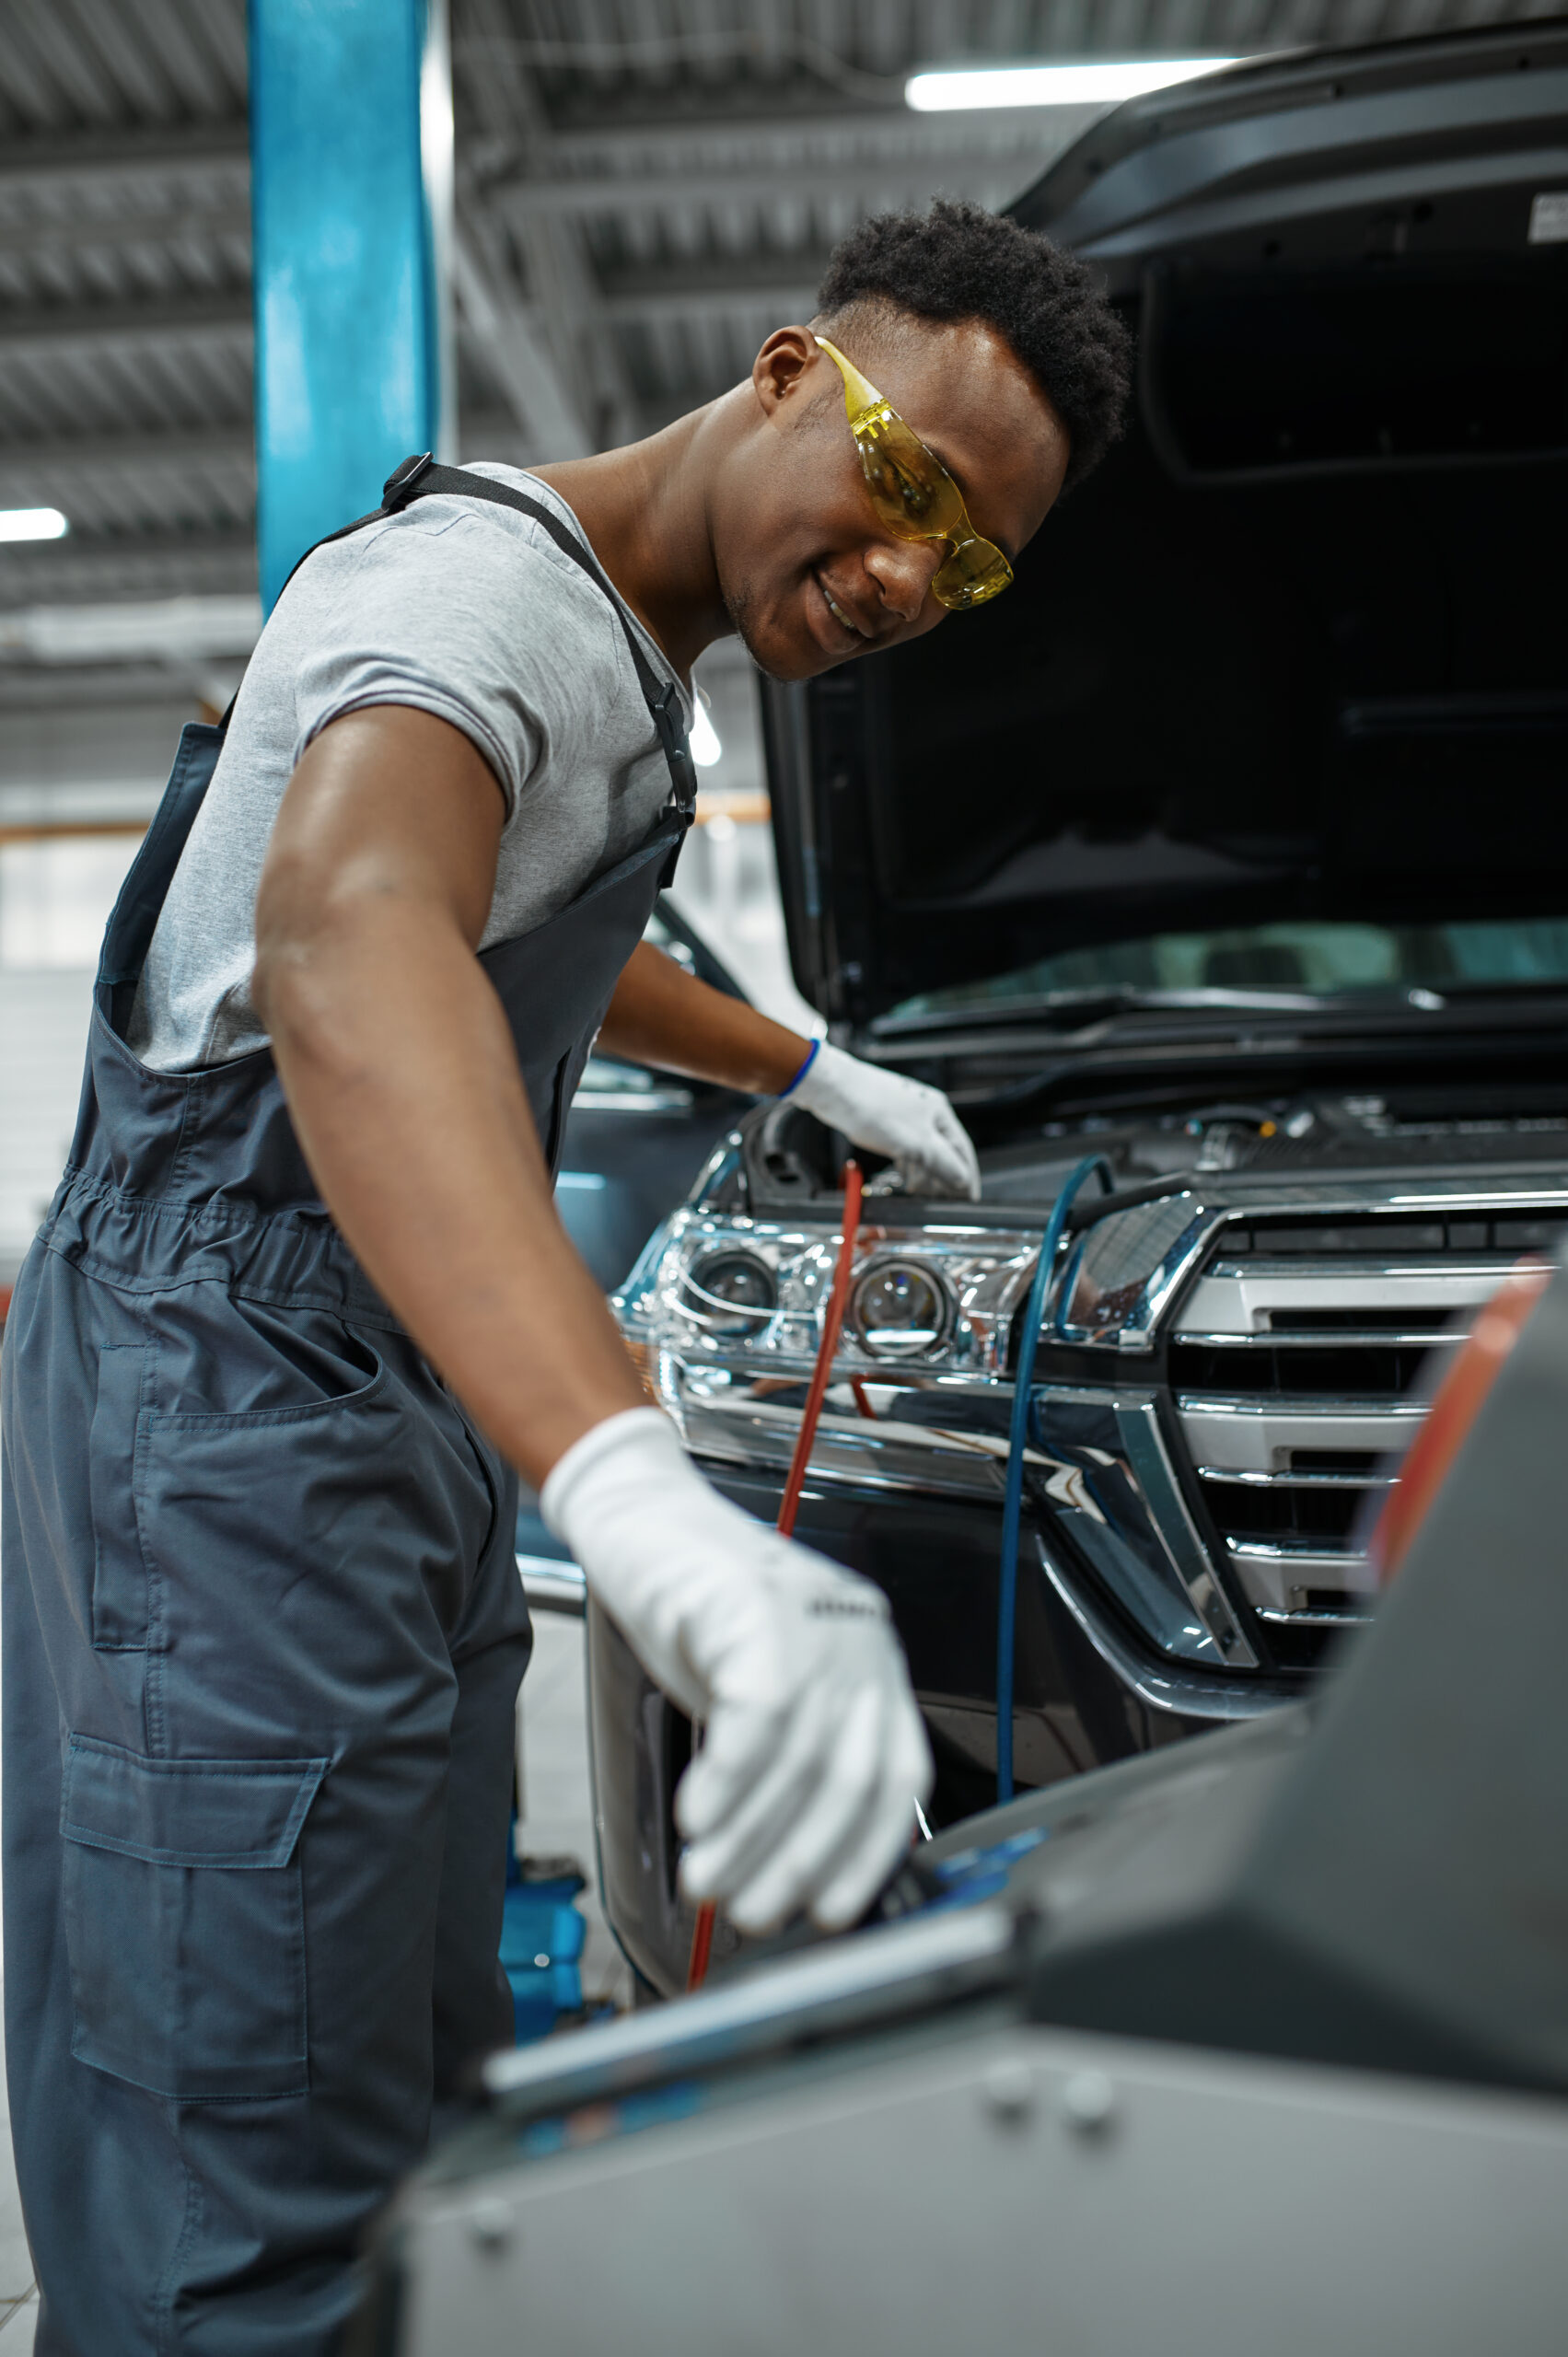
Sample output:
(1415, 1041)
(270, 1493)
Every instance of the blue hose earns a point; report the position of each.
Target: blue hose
(1012, 1506)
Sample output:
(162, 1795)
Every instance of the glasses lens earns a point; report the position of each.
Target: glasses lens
(912, 492)
(915, 496)
(975, 571)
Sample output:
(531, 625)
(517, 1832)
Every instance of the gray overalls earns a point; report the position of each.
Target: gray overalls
(263, 1638)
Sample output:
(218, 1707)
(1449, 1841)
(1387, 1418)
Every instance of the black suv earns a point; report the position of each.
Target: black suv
(1231, 847)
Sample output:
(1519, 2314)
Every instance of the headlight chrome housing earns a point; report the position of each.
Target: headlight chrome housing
(747, 1294)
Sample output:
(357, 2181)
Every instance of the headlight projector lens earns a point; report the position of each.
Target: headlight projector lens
(731, 1294)
(899, 1310)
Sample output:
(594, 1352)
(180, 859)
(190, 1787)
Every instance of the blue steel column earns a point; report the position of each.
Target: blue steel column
(351, 159)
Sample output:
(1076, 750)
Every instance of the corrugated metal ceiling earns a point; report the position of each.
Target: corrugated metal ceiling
(645, 186)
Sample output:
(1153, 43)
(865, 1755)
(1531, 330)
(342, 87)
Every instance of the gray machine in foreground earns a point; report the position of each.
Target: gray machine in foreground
(1258, 2043)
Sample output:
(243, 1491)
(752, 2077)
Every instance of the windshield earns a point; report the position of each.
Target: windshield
(1325, 959)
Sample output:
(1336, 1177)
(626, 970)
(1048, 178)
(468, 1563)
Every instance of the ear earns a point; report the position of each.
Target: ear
(786, 367)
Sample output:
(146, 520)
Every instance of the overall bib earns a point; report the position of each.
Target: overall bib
(262, 1636)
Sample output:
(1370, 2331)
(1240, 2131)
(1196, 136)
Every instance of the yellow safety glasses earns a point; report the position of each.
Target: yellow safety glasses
(915, 496)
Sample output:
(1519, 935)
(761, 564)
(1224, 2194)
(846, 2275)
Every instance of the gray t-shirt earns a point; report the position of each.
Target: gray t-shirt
(463, 609)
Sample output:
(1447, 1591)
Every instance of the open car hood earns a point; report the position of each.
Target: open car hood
(1300, 647)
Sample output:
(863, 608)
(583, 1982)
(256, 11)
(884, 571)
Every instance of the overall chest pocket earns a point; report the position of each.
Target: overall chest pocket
(184, 1919)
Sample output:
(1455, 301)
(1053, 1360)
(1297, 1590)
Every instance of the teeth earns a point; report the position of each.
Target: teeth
(838, 612)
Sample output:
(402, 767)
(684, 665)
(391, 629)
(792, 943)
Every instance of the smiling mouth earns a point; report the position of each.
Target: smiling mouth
(836, 611)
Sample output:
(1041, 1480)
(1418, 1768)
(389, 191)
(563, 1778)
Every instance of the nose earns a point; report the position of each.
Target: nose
(903, 572)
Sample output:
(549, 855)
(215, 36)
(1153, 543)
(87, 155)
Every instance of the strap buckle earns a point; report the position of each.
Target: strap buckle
(402, 483)
(671, 726)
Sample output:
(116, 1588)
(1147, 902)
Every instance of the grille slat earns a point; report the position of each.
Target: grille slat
(1390, 1233)
(1299, 1363)
(1361, 1476)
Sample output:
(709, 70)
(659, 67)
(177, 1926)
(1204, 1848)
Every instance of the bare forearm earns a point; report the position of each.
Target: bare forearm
(402, 1082)
(664, 1017)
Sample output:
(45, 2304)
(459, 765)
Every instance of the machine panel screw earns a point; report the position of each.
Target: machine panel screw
(1088, 2103)
(491, 2226)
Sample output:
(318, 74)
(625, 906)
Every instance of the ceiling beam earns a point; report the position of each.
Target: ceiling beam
(504, 101)
(76, 327)
(50, 688)
(751, 183)
(785, 283)
(195, 446)
(648, 305)
(165, 225)
(162, 630)
(205, 445)
(132, 564)
(893, 131)
(508, 331)
(91, 159)
(483, 432)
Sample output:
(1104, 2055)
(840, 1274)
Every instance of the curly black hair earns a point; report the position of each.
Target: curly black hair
(958, 262)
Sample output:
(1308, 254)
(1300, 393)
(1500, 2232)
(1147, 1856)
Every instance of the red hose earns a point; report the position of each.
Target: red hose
(702, 1936)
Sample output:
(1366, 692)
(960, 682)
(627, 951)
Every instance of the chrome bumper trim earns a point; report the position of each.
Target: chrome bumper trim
(554, 1587)
(1176, 1693)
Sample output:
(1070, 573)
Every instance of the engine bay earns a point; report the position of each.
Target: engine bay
(1407, 1127)
(1318, 1131)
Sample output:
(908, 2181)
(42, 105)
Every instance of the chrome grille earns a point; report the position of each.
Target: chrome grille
(1300, 1363)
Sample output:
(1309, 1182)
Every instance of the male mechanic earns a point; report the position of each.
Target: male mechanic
(303, 1301)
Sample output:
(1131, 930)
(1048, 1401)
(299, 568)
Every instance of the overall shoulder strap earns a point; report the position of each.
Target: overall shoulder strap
(420, 476)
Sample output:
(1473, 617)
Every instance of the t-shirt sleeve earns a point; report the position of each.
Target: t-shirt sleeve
(442, 612)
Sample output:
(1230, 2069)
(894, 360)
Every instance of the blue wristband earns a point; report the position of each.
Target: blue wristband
(810, 1059)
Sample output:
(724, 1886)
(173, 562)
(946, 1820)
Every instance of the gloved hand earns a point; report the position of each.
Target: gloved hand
(914, 1125)
(803, 1793)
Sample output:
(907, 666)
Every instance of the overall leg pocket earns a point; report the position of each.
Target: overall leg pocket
(184, 1919)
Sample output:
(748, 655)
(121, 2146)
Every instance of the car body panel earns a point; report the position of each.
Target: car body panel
(1267, 666)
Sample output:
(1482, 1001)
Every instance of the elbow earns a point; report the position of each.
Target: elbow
(285, 993)
(285, 943)
(268, 994)
(301, 983)
(331, 976)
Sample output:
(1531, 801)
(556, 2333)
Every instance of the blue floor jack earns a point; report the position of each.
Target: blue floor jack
(542, 1932)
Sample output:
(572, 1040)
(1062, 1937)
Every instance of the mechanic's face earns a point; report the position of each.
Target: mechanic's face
(810, 574)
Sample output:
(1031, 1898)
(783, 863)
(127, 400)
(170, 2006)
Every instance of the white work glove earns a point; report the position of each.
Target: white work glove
(803, 1794)
(903, 1118)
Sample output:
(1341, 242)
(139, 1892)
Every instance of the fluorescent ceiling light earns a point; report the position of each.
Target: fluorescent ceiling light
(705, 745)
(1093, 81)
(31, 523)
(162, 630)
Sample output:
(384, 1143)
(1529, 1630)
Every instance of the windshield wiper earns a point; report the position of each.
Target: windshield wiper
(1097, 1004)
(1082, 1003)
(1079, 1010)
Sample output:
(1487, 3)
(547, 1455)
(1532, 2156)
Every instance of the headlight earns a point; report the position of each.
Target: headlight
(729, 1295)
(899, 1310)
(743, 1299)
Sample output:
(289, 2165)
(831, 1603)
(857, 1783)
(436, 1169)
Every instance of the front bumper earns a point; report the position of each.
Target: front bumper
(1085, 1694)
